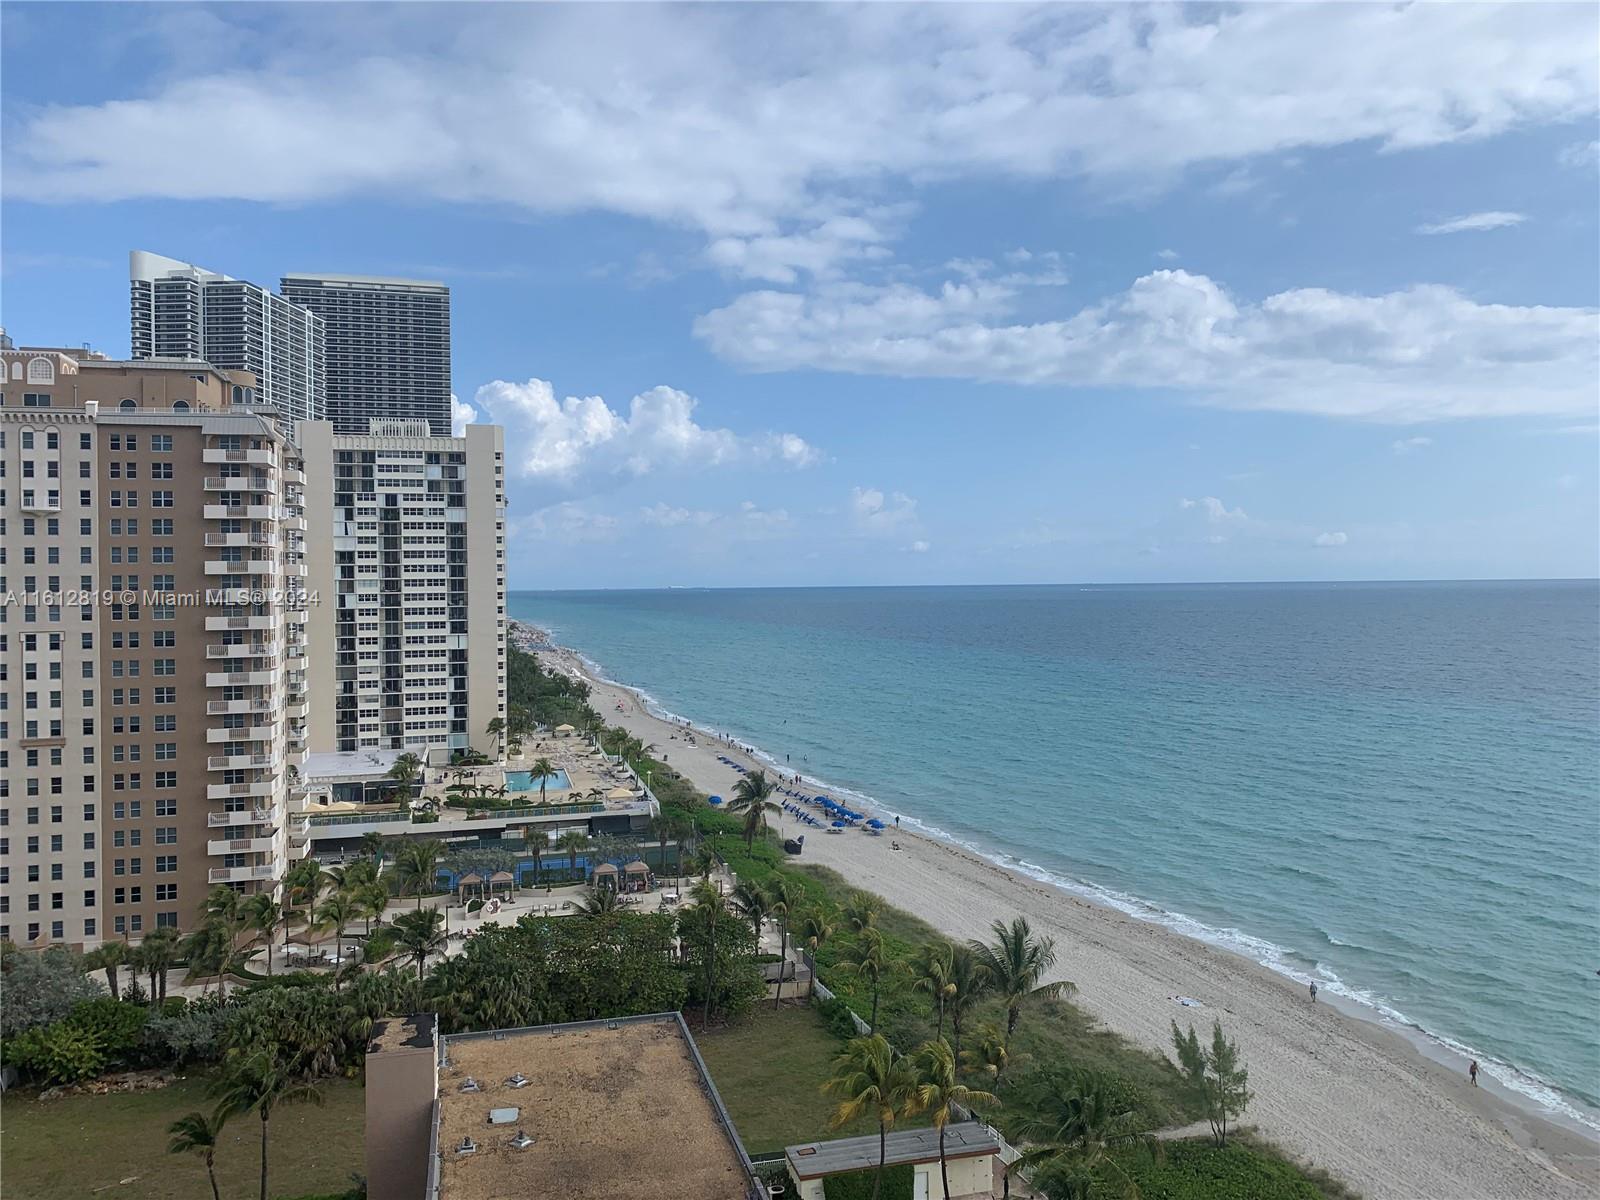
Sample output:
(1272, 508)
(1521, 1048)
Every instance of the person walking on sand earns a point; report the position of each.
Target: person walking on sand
(1472, 1071)
(1313, 991)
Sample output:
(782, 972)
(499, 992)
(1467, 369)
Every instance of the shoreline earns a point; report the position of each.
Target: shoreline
(1382, 1107)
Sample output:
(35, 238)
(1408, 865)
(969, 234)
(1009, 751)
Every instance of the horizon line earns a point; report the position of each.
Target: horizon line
(1197, 583)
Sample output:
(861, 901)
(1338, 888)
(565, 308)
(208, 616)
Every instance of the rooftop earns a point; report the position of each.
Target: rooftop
(362, 280)
(903, 1146)
(612, 1108)
(349, 764)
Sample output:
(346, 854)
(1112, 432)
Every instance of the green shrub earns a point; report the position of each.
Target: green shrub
(1198, 1170)
(898, 1184)
(115, 1025)
(474, 905)
(836, 1015)
(57, 1054)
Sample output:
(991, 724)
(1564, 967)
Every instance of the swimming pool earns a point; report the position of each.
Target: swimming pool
(523, 781)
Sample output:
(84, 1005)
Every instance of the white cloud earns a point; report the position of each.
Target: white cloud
(1425, 353)
(1474, 223)
(875, 513)
(1580, 155)
(1214, 509)
(1167, 255)
(919, 547)
(1407, 445)
(1328, 540)
(557, 441)
(752, 514)
(667, 516)
(462, 414)
(569, 523)
(663, 114)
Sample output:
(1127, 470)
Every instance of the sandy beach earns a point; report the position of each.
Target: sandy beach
(1337, 1090)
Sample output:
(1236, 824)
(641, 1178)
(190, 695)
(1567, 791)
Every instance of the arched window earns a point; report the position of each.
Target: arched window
(180, 406)
(128, 405)
(238, 394)
(41, 370)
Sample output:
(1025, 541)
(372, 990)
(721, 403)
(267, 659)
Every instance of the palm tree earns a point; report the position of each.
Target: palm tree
(783, 898)
(494, 729)
(536, 840)
(711, 909)
(107, 957)
(301, 881)
(573, 841)
(372, 845)
(420, 934)
(338, 911)
(870, 1081)
(209, 949)
(405, 771)
(752, 796)
(938, 1091)
(861, 910)
(817, 924)
(543, 770)
(753, 902)
(259, 1084)
(372, 898)
(157, 954)
(418, 867)
(198, 1134)
(968, 980)
(932, 975)
(265, 916)
(706, 862)
(867, 959)
(599, 902)
(1081, 1121)
(1016, 962)
(992, 1056)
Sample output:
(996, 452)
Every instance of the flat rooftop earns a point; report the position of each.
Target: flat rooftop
(813, 1159)
(338, 765)
(614, 1109)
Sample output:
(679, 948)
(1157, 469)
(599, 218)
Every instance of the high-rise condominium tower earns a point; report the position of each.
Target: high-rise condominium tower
(152, 648)
(388, 347)
(406, 557)
(179, 310)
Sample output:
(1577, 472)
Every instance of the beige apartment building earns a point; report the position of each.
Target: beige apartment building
(152, 647)
(406, 562)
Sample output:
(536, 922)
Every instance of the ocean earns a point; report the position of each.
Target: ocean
(1392, 789)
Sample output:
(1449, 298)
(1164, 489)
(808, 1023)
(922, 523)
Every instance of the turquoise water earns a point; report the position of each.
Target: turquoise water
(1391, 789)
(523, 781)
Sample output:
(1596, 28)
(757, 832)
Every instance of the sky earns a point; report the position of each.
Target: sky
(893, 294)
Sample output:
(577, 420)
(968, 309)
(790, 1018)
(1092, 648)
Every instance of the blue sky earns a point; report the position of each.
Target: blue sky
(895, 294)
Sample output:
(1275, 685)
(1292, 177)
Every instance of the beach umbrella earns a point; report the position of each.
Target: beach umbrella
(875, 823)
(838, 824)
(716, 800)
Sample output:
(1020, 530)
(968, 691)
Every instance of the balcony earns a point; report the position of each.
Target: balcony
(261, 458)
(259, 845)
(241, 539)
(252, 733)
(43, 504)
(257, 787)
(243, 649)
(261, 678)
(298, 711)
(294, 522)
(241, 874)
(248, 566)
(258, 621)
(233, 762)
(258, 704)
(295, 616)
(254, 816)
(241, 512)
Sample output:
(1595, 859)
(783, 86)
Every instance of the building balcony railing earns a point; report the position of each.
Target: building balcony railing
(241, 539)
(257, 704)
(255, 621)
(251, 733)
(258, 787)
(256, 845)
(248, 566)
(243, 649)
(241, 874)
(234, 762)
(254, 816)
(240, 512)
(265, 458)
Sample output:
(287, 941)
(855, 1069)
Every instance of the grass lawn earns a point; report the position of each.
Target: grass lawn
(770, 1069)
(116, 1145)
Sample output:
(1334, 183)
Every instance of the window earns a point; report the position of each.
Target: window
(41, 370)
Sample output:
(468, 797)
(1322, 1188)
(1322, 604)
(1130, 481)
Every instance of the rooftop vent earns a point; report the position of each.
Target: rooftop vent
(518, 1080)
(503, 1116)
(469, 1084)
(467, 1146)
(522, 1141)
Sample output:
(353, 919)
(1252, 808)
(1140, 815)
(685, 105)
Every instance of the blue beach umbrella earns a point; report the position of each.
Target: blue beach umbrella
(838, 824)
(875, 823)
(716, 800)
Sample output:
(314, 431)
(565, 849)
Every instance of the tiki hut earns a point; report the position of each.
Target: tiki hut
(605, 874)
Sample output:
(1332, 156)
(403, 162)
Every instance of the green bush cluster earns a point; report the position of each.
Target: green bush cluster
(899, 1182)
(94, 1036)
(1199, 1170)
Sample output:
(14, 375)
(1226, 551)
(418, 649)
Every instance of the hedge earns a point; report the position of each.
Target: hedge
(1197, 1170)
(898, 1184)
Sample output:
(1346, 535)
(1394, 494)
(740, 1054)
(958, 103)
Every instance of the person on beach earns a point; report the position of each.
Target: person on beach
(1313, 991)
(1472, 1071)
